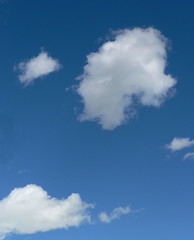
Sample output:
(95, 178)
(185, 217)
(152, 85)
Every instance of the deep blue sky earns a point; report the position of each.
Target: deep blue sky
(42, 142)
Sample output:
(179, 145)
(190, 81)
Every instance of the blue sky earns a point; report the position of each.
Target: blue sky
(91, 104)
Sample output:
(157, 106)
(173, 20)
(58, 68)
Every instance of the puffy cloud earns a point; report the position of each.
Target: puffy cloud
(116, 213)
(189, 155)
(37, 67)
(179, 143)
(30, 209)
(123, 72)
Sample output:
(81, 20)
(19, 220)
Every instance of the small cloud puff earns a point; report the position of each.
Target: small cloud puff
(179, 143)
(128, 70)
(37, 67)
(189, 155)
(116, 213)
(30, 209)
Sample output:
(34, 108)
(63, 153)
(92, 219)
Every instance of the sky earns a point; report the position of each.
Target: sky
(96, 120)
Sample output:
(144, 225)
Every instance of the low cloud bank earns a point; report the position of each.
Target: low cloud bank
(30, 209)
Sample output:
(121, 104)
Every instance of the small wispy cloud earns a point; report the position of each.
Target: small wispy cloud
(116, 213)
(179, 143)
(138, 210)
(23, 171)
(36, 67)
(189, 155)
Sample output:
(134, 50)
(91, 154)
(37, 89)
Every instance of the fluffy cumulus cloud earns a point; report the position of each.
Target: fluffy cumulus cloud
(37, 67)
(116, 213)
(30, 209)
(189, 155)
(123, 72)
(179, 143)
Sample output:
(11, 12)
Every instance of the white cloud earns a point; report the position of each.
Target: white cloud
(116, 213)
(189, 155)
(128, 70)
(179, 143)
(37, 67)
(30, 209)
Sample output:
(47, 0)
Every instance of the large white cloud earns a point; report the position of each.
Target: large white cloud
(30, 209)
(116, 213)
(37, 67)
(179, 143)
(128, 70)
